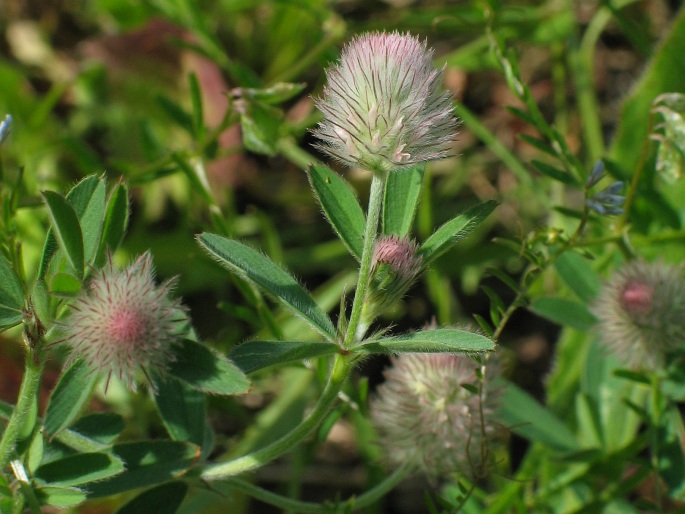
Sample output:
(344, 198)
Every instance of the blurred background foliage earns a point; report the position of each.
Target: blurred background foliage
(158, 93)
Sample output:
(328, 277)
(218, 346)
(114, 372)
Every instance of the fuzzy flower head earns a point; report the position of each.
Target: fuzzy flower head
(425, 416)
(384, 106)
(641, 312)
(123, 322)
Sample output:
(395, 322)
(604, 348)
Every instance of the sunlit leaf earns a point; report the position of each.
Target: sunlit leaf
(256, 267)
(340, 206)
(66, 229)
(440, 340)
(401, 199)
(11, 295)
(72, 392)
(455, 230)
(565, 312)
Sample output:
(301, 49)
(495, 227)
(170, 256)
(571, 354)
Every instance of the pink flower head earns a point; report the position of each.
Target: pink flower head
(425, 416)
(384, 106)
(123, 322)
(641, 312)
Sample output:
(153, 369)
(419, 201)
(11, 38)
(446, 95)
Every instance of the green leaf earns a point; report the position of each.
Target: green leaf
(578, 275)
(664, 74)
(555, 173)
(71, 393)
(340, 207)
(61, 497)
(671, 456)
(36, 450)
(527, 418)
(455, 230)
(66, 229)
(539, 144)
(196, 100)
(165, 498)
(207, 370)
(401, 199)
(564, 312)
(670, 160)
(147, 463)
(183, 410)
(253, 356)
(439, 340)
(176, 112)
(86, 198)
(79, 469)
(64, 284)
(11, 296)
(88, 201)
(254, 266)
(103, 427)
(40, 298)
(276, 94)
(116, 218)
(260, 124)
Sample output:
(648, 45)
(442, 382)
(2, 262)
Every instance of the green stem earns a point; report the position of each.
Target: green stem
(656, 400)
(291, 151)
(372, 218)
(26, 402)
(256, 459)
(359, 502)
(582, 63)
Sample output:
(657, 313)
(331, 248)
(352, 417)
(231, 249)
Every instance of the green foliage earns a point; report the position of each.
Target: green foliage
(401, 200)
(440, 340)
(340, 207)
(207, 370)
(11, 296)
(146, 463)
(199, 112)
(80, 469)
(273, 280)
(67, 230)
(254, 356)
(72, 392)
(163, 498)
(454, 231)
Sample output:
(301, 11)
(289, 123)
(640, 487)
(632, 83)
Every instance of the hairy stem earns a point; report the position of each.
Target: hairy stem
(26, 402)
(359, 502)
(256, 459)
(370, 233)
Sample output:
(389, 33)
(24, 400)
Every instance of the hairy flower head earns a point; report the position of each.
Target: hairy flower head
(123, 322)
(425, 416)
(641, 312)
(384, 105)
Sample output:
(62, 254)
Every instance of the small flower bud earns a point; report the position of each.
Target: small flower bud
(641, 312)
(424, 415)
(122, 322)
(384, 106)
(396, 265)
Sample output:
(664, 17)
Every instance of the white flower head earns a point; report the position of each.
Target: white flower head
(384, 106)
